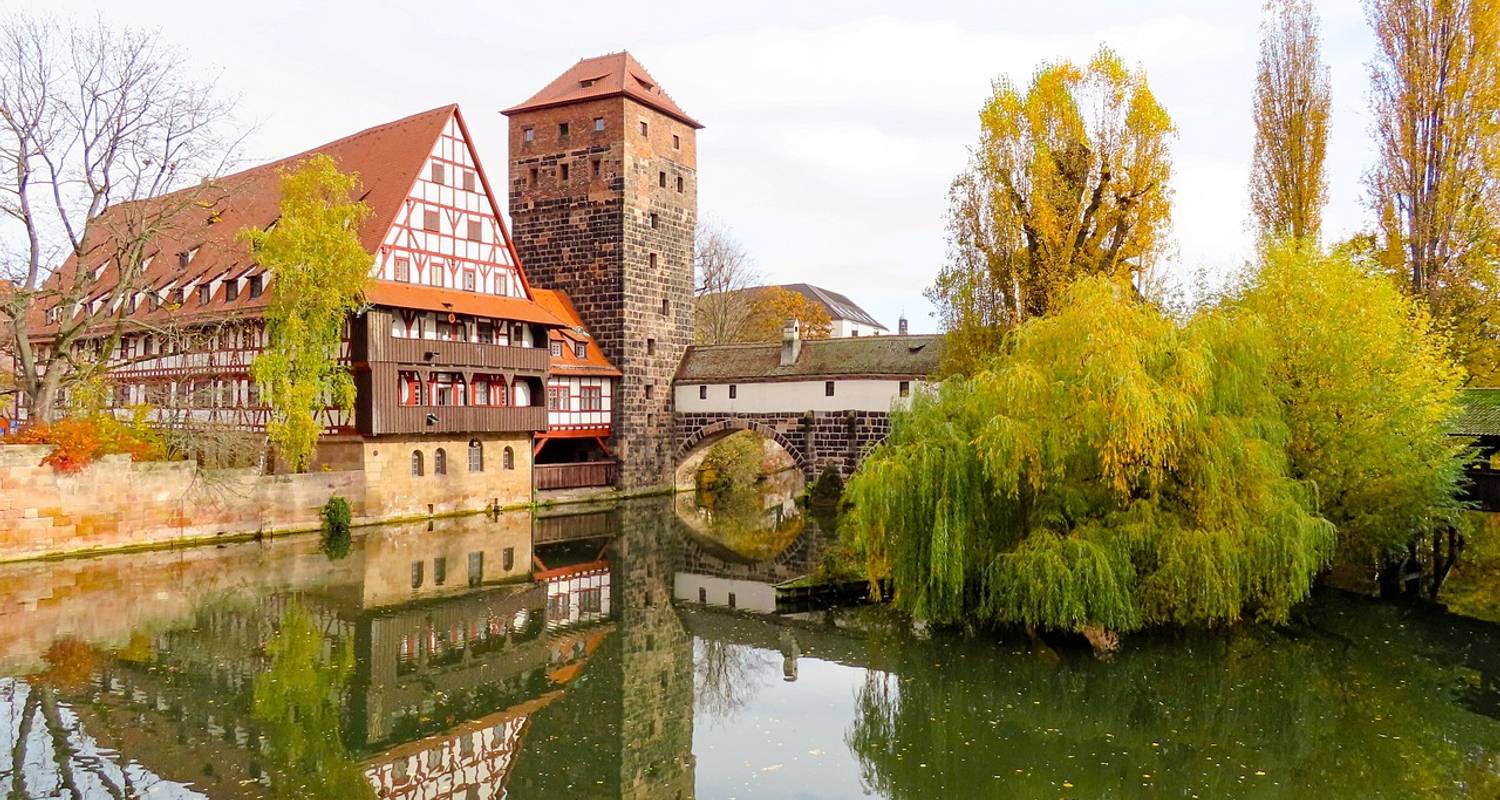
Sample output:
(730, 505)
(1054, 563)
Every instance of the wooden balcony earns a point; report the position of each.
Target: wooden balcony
(578, 475)
(433, 353)
(455, 419)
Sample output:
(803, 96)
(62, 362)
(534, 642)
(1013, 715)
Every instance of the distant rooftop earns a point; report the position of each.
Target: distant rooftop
(612, 75)
(837, 305)
(1481, 413)
(859, 357)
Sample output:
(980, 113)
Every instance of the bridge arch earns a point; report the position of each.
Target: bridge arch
(694, 445)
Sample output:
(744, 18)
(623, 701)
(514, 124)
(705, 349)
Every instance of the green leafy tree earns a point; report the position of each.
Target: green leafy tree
(318, 268)
(1109, 470)
(1369, 390)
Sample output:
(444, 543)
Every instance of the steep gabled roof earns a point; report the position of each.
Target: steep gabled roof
(593, 363)
(612, 75)
(838, 306)
(908, 357)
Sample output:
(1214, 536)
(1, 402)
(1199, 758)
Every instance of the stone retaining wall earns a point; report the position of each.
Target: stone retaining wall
(117, 503)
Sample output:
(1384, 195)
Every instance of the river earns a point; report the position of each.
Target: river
(594, 653)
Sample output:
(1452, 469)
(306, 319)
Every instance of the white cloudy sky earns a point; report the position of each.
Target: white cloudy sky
(833, 128)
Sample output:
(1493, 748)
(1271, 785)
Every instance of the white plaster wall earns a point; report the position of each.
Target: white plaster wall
(781, 396)
(748, 595)
(845, 328)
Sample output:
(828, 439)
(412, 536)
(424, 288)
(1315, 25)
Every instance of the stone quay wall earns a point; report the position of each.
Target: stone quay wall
(116, 503)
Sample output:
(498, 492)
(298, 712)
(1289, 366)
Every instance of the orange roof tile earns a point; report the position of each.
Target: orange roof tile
(593, 362)
(612, 75)
(432, 298)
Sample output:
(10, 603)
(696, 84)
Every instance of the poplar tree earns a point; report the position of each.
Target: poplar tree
(1070, 178)
(318, 270)
(1288, 183)
(1435, 94)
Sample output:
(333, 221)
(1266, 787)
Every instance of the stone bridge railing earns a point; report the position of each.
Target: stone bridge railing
(814, 439)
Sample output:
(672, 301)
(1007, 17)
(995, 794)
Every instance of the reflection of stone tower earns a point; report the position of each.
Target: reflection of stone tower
(603, 201)
(657, 661)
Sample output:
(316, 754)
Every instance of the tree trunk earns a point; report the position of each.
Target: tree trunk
(1443, 564)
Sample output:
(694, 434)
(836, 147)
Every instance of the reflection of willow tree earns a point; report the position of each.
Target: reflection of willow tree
(727, 677)
(1250, 714)
(298, 700)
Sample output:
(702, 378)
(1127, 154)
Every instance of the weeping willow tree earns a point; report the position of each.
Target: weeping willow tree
(1109, 470)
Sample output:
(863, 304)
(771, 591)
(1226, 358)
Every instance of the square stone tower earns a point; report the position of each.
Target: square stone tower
(603, 203)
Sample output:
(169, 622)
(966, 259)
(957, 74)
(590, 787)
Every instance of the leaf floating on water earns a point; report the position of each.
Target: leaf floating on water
(772, 768)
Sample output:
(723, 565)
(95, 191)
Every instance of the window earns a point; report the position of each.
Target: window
(468, 280)
(563, 172)
(416, 463)
(557, 399)
(476, 568)
(679, 183)
(468, 180)
(828, 388)
(592, 398)
(416, 574)
(580, 350)
(403, 269)
(598, 123)
(257, 285)
(440, 461)
(676, 142)
(666, 307)
(430, 220)
(650, 347)
(644, 129)
(481, 394)
(702, 392)
(557, 349)
(508, 555)
(508, 461)
(476, 231)
(231, 291)
(528, 135)
(437, 172)
(591, 601)
(439, 570)
(654, 220)
(476, 451)
(533, 176)
(594, 165)
(562, 130)
(661, 179)
(651, 260)
(905, 388)
(650, 390)
(734, 391)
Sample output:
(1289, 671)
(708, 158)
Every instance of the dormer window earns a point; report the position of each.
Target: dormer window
(580, 350)
(205, 292)
(587, 82)
(257, 285)
(557, 349)
(645, 84)
(232, 290)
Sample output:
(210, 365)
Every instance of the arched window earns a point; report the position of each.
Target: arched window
(476, 456)
(508, 459)
(439, 462)
(416, 463)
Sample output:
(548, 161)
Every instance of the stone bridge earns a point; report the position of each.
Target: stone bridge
(813, 439)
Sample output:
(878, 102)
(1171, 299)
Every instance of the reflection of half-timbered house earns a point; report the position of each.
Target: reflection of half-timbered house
(451, 355)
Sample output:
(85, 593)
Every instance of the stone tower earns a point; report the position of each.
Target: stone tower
(603, 202)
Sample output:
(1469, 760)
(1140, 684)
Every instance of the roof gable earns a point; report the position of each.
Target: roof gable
(612, 75)
(913, 357)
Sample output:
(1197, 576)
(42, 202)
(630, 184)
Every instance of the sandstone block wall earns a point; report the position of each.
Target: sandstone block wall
(394, 491)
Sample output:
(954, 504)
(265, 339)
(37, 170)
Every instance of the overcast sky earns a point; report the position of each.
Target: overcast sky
(833, 128)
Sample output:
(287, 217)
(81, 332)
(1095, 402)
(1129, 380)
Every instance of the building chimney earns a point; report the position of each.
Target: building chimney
(791, 342)
(901, 326)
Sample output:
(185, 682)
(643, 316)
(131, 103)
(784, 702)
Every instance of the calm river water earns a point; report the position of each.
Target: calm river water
(595, 655)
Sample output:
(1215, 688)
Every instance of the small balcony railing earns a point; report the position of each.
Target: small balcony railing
(577, 475)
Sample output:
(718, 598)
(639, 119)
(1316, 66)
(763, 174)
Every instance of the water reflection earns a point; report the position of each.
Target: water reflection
(586, 654)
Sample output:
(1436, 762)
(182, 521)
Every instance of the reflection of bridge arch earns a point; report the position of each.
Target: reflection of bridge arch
(696, 444)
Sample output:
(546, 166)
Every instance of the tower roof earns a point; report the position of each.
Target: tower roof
(612, 75)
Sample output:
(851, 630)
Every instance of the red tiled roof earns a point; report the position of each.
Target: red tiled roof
(593, 362)
(433, 298)
(613, 75)
(387, 159)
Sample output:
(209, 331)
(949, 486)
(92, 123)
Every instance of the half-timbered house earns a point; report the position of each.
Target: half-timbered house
(451, 355)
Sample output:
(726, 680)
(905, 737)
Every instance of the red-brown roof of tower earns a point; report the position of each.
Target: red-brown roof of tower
(556, 302)
(613, 75)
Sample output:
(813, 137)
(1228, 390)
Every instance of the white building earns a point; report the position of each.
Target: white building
(848, 318)
(848, 374)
